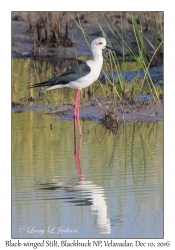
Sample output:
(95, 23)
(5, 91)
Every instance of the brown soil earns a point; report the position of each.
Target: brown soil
(105, 114)
(23, 35)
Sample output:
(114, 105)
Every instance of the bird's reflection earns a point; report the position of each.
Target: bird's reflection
(77, 156)
(94, 193)
(82, 193)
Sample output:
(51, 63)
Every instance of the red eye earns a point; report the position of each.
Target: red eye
(100, 42)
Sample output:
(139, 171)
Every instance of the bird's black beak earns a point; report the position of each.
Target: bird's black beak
(117, 52)
(111, 48)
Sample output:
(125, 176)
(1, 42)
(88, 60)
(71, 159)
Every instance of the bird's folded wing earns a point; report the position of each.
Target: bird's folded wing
(70, 75)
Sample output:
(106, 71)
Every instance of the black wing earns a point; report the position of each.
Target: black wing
(70, 75)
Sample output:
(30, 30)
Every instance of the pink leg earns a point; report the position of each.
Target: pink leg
(76, 113)
(78, 116)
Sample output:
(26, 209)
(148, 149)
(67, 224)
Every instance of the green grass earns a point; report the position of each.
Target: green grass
(139, 53)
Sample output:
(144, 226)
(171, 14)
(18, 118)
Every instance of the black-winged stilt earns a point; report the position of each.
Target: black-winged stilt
(80, 76)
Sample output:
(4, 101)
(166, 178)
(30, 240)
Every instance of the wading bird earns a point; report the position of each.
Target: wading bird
(80, 76)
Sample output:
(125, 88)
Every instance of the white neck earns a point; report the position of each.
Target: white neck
(97, 54)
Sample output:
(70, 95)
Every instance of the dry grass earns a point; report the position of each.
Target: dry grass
(50, 29)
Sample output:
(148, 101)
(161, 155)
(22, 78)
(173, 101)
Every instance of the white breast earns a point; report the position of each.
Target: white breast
(88, 79)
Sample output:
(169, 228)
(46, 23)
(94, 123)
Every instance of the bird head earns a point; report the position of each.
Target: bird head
(99, 43)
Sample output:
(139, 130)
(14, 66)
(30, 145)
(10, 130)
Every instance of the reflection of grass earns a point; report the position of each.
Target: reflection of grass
(27, 72)
(140, 53)
(134, 149)
(134, 145)
(144, 136)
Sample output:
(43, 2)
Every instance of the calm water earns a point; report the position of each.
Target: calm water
(112, 188)
(28, 72)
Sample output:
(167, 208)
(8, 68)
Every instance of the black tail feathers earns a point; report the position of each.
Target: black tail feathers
(41, 84)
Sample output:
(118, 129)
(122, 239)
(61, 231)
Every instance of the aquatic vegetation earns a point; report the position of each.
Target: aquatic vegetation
(146, 50)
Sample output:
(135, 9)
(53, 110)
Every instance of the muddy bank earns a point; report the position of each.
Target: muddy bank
(23, 33)
(96, 111)
(127, 113)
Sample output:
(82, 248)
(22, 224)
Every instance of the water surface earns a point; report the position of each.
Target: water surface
(111, 188)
